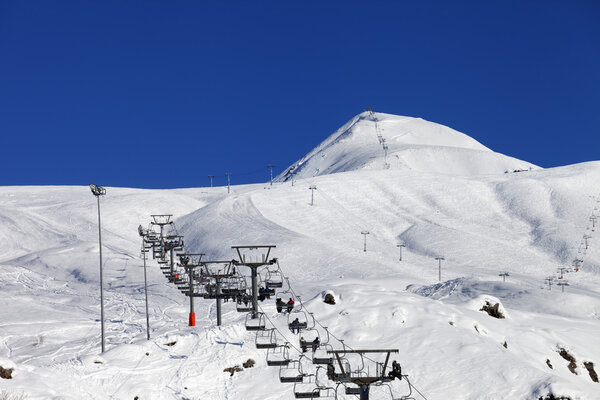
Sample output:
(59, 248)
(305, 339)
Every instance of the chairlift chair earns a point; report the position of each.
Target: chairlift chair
(278, 356)
(290, 373)
(255, 324)
(244, 307)
(302, 318)
(266, 339)
(320, 355)
(353, 390)
(307, 388)
(274, 279)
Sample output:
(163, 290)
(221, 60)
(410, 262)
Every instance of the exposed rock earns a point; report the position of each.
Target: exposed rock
(329, 299)
(590, 367)
(572, 362)
(6, 373)
(549, 364)
(492, 310)
(249, 364)
(552, 397)
(233, 370)
(505, 345)
(171, 343)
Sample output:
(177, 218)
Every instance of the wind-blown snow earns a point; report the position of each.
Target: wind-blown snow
(482, 221)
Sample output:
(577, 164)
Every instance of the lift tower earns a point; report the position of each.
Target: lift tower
(246, 260)
(217, 270)
(172, 243)
(189, 261)
(362, 380)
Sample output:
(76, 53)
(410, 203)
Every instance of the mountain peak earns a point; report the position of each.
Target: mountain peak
(372, 140)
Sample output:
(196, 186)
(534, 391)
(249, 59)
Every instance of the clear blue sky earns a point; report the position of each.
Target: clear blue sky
(160, 94)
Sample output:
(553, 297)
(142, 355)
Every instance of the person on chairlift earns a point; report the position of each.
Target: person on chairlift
(290, 305)
(294, 326)
(279, 304)
(315, 344)
(303, 344)
(396, 371)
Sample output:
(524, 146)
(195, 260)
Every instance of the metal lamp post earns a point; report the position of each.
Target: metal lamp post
(143, 233)
(100, 191)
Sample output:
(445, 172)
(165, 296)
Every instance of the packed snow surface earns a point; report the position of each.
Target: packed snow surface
(445, 195)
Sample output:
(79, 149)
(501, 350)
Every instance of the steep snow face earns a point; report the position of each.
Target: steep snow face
(376, 141)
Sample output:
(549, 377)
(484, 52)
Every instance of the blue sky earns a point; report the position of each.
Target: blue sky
(160, 94)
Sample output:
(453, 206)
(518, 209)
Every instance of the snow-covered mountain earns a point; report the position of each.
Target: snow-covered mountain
(375, 141)
(459, 205)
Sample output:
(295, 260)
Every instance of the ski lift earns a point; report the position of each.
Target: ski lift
(353, 390)
(266, 339)
(278, 356)
(320, 355)
(290, 373)
(274, 279)
(307, 388)
(298, 320)
(255, 324)
(244, 303)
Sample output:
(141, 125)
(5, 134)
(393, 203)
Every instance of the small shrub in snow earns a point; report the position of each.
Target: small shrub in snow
(249, 364)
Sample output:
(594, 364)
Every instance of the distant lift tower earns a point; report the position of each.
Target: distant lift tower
(271, 174)
(504, 275)
(312, 194)
(400, 246)
(440, 267)
(577, 264)
(228, 174)
(586, 237)
(365, 233)
(562, 284)
(100, 191)
(172, 243)
(261, 259)
(161, 220)
(191, 261)
(217, 270)
(362, 380)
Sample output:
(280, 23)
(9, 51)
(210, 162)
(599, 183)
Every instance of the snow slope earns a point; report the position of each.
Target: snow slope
(526, 223)
(410, 144)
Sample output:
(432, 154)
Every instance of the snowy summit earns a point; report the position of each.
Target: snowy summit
(375, 141)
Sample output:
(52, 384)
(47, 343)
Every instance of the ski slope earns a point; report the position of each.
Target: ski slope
(459, 204)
